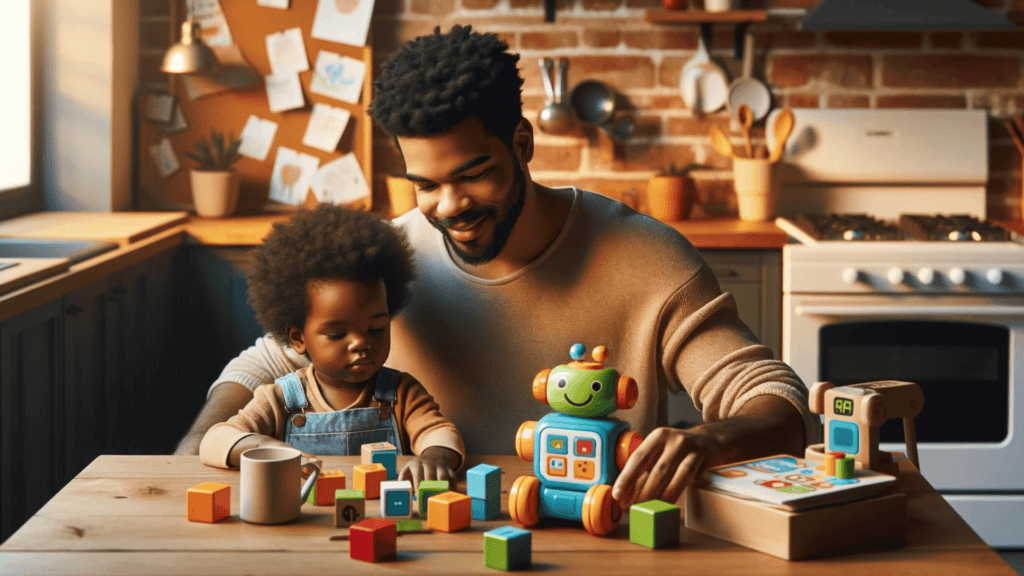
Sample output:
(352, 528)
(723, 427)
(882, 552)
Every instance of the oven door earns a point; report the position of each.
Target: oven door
(964, 352)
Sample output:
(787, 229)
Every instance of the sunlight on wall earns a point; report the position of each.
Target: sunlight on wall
(15, 99)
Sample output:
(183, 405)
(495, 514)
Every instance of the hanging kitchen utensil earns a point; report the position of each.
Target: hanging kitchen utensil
(594, 103)
(549, 10)
(748, 90)
(782, 127)
(702, 82)
(1016, 131)
(746, 119)
(556, 117)
(720, 142)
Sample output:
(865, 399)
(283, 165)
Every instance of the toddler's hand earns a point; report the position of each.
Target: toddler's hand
(434, 463)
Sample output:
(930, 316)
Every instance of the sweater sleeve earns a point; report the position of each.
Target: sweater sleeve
(260, 364)
(710, 352)
(420, 421)
(264, 414)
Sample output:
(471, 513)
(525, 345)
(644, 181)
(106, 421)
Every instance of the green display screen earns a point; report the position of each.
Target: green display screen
(842, 406)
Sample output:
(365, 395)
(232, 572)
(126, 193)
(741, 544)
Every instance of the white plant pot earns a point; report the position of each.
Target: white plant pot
(214, 193)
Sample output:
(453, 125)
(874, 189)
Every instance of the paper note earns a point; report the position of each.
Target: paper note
(177, 123)
(339, 77)
(293, 172)
(284, 92)
(286, 52)
(273, 3)
(341, 181)
(343, 21)
(159, 107)
(257, 136)
(211, 19)
(326, 124)
(164, 157)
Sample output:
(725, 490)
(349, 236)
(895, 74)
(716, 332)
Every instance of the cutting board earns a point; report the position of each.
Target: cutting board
(29, 270)
(121, 227)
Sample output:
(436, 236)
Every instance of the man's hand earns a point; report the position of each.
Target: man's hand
(434, 463)
(224, 402)
(669, 459)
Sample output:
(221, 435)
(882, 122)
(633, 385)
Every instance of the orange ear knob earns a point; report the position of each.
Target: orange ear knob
(600, 353)
(626, 393)
(540, 385)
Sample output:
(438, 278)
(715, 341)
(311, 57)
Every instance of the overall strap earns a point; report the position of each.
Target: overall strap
(385, 390)
(294, 396)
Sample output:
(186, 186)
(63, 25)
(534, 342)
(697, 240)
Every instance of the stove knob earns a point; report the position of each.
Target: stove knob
(994, 275)
(957, 276)
(926, 275)
(850, 275)
(896, 276)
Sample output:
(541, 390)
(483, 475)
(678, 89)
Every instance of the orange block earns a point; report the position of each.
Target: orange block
(449, 512)
(367, 477)
(208, 502)
(372, 540)
(326, 484)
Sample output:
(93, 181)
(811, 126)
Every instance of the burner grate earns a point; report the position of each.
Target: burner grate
(951, 228)
(848, 227)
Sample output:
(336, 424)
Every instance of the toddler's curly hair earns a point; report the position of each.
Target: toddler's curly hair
(438, 80)
(328, 242)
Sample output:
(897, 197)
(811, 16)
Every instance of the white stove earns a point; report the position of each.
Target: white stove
(893, 272)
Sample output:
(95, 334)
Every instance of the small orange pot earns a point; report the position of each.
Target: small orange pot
(670, 198)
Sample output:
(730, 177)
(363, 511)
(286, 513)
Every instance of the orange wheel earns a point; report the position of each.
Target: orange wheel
(601, 512)
(523, 499)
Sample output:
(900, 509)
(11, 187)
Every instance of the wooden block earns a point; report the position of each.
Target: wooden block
(372, 540)
(381, 453)
(349, 507)
(329, 482)
(367, 477)
(486, 508)
(482, 481)
(449, 512)
(791, 535)
(396, 499)
(507, 548)
(208, 502)
(427, 489)
(654, 524)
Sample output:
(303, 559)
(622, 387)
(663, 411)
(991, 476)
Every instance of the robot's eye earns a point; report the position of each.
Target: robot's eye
(595, 386)
(561, 381)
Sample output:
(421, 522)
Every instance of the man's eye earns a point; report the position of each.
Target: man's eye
(474, 177)
(425, 187)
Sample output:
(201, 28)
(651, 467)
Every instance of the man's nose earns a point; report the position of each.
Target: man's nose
(452, 202)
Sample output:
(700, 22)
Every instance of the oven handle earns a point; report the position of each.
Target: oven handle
(889, 310)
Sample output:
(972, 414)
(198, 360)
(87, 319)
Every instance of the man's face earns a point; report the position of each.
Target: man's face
(470, 187)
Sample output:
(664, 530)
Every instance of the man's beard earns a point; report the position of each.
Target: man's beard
(502, 230)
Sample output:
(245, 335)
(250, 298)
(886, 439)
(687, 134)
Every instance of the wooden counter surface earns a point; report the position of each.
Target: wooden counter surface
(126, 515)
(704, 234)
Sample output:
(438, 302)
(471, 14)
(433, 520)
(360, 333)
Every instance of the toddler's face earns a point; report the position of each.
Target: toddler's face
(348, 330)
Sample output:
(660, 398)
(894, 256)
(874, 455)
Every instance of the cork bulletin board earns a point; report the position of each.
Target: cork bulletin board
(228, 111)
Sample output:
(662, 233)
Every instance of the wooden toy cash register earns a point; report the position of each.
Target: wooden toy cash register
(795, 508)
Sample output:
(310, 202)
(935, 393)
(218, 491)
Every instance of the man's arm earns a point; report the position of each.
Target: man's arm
(669, 459)
(225, 400)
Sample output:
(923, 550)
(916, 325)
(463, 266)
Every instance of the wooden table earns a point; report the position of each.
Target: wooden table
(126, 515)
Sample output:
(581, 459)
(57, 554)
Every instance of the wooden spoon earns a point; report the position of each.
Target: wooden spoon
(720, 142)
(783, 126)
(746, 118)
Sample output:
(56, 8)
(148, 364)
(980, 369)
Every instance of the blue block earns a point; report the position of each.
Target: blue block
(486, 508)
(388, 461)
(483, 480)
(507, 548)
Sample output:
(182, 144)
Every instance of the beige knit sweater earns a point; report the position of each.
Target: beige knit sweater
(420, 423)
(613, 277)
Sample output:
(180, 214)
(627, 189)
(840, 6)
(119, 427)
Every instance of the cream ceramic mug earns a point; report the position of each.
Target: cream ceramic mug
(270, 483)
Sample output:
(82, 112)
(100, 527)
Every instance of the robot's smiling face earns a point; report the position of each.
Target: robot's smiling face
(582, 392)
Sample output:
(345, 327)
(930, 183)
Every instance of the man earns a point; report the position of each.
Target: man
(510, 274)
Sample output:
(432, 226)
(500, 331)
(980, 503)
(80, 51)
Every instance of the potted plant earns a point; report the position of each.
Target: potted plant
(670, 195)
(214, 181)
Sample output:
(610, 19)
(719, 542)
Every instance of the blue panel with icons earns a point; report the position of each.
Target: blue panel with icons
(558, 444)
(843, 436)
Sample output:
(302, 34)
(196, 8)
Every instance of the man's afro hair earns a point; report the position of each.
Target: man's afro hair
(438, 80)
(328, 242)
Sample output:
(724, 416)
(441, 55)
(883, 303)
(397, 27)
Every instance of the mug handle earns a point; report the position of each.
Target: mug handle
(310, 482)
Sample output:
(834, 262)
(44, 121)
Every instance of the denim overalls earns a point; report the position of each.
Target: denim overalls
(342, 432)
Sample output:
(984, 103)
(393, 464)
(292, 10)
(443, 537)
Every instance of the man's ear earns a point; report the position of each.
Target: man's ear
(296, 339)
(522, 141)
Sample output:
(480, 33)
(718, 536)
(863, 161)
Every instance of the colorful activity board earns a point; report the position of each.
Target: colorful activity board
(794, 483)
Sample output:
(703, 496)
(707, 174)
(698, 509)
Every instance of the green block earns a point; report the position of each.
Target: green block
(427, 489)
(654, 524)
(349, 494)
(507, 548)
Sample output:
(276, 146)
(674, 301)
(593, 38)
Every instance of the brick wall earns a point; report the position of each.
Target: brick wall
(609, 40)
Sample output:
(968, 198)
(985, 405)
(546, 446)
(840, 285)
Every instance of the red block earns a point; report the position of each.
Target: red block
(372, 540)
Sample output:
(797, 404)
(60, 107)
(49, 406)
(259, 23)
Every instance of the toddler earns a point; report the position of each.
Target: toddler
(327, 282)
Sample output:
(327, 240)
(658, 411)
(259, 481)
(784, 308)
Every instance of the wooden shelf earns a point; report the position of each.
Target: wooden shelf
(660, 16)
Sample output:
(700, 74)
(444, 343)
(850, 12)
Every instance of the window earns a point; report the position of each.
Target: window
(15, 99)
